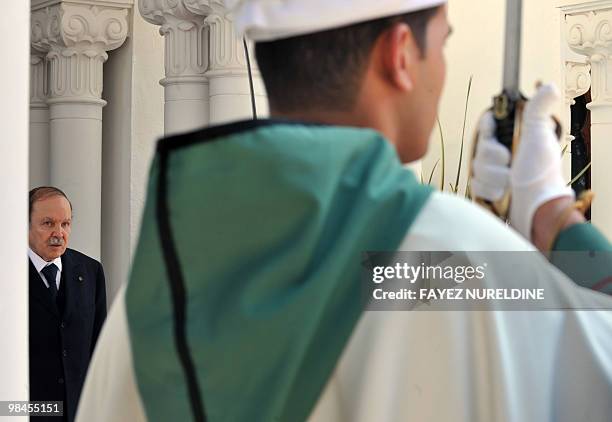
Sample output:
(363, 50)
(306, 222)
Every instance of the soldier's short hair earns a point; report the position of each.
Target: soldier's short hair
(325, 69)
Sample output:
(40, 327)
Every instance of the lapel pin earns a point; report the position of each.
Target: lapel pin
(80, 278)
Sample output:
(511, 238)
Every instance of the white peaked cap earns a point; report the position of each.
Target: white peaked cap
(268, 20)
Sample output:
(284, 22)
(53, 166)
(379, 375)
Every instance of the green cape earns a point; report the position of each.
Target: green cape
(245, 286)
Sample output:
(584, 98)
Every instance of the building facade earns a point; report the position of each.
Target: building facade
(109, 77)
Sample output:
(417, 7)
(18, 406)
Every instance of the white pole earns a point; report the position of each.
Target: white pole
(14, 43)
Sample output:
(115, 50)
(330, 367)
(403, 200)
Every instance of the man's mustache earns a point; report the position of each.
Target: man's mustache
(56, 241)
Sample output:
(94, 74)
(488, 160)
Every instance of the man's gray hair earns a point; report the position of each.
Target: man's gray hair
(44, 192)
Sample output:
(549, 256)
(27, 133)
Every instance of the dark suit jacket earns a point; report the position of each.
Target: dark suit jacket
(61, 345)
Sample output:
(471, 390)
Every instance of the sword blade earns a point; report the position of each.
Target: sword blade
(512, 54)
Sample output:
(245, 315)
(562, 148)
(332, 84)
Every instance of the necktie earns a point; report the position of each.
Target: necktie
(50, 272)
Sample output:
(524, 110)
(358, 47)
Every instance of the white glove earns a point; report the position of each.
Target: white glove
(536, 176)
(490, 166)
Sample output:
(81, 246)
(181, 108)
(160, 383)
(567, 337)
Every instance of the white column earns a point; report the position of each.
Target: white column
(186, 60)
(588, 34)
(14, 211)
(230, 97)
(39, 121)
(206, 73)
(77, 36)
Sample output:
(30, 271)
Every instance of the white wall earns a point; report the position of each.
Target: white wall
(133, 121)
(14, 45)
(148, 116)
(476, 48)
(116, 158)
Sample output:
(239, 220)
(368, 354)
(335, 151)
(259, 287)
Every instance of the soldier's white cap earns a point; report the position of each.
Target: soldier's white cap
(268, 20)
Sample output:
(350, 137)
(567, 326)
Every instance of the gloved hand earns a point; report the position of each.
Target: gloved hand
(491, 163)
(535, 176)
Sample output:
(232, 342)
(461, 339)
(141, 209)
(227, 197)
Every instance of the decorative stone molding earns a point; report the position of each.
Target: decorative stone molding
(206, 69)
(227, 49)
(230, 97)
(200, 37)
(186, 88)
(590, 34)
(577, 80)
(587, 28)
(38, 81)
(39, 121)
(159, 12)
(75, 38)
(602, 70)
(577, 83)
(185, 32)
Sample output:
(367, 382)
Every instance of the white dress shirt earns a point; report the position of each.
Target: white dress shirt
(40, 263)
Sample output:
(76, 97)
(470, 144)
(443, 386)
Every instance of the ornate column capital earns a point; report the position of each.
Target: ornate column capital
(589, 33)
(75, 35)
(186, 36)
(38, 80)
(577, 83)
(78, 25)
(205, 66)
(161, 12)
(227, 52)
(577, 80)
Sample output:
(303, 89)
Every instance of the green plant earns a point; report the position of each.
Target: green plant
(443, 155)
(442, 161)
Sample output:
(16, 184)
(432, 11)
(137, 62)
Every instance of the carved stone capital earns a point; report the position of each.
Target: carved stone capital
(601, 66)
(577, 80)
(589, 33)
(200, 37)
(160, 12)
(186, 35)
(227, 49)
(78, 26)
(75, 36)
(38, 80)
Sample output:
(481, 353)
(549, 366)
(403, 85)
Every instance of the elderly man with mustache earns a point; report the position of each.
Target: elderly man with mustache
(67, 303)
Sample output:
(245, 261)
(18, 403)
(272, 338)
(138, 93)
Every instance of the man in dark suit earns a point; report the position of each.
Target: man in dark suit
(67, 303)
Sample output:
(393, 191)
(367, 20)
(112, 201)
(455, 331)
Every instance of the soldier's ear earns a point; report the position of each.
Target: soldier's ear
(400, 54)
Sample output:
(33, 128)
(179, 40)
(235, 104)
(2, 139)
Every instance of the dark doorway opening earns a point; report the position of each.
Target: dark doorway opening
(581, 145)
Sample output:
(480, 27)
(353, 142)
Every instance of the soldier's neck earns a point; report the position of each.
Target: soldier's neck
(368, 119)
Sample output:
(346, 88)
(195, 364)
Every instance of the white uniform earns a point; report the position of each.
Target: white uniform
(503, 366)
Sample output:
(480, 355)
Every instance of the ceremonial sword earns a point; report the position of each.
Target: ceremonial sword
(508, 106)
